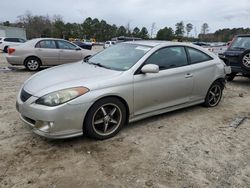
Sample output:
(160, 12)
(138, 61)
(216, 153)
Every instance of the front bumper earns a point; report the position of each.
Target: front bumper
(63, 121)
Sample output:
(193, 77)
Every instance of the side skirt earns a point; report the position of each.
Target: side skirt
(162, 111)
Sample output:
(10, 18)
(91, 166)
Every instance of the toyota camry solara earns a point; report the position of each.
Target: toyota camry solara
(124, 83)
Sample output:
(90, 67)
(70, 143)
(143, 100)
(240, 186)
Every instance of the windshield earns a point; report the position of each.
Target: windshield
(241, 43)
(120, 57)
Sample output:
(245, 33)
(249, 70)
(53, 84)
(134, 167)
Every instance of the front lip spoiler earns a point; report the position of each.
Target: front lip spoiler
(51, 135)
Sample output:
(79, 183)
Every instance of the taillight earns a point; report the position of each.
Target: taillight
(11, 50)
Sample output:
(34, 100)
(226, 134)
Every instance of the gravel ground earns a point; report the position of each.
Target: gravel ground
(193, 147)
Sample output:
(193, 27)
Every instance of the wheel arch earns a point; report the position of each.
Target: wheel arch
(24, 62)
(222, 81)
(112, 96)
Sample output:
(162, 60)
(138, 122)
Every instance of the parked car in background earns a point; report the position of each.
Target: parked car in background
(108, 44)
(84, 45)
(238, 56)
(45, 52)
(124, 83)
(6, 42)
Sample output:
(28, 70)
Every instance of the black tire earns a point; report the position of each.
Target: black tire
(32, 63)
(99, 126)
(245, 60)
(230, 77)
(214, 94)
(5, 50)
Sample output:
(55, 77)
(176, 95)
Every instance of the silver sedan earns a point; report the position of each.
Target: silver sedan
(45, 52)
(124, 83)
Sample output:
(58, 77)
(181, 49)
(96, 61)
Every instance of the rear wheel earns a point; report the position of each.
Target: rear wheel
(5, 50)
(105, 118)
(214, 94)
(32, 63)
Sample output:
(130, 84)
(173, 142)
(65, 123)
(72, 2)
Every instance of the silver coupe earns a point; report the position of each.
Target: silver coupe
(124, 83)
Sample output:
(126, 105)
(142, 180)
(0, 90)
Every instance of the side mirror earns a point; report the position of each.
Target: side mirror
(78, 49)
(150, 68)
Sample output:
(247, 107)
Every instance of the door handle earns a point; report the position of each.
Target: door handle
(188, 75)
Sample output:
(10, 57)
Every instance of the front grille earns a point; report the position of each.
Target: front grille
(25, 95)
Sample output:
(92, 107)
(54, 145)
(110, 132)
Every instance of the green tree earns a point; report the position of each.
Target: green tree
(136, 32)
(204, 28)
(121, 31)
(166, 33)
(189, 28)
(6, 23)
(144, 33)
(179, 32)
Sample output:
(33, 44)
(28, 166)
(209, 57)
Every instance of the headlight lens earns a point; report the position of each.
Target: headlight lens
(59, 97)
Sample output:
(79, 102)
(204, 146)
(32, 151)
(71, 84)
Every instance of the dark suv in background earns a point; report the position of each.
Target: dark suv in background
(237, 56)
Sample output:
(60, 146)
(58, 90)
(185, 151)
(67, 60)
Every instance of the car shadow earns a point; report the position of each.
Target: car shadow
(243, 81)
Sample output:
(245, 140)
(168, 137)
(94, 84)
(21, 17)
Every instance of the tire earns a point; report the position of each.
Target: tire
(105, 118)
(32, 63)
(5, 50)
(230, 77)
(214, 94)
(245, 60)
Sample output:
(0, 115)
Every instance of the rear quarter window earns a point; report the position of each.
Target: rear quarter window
(197, 56)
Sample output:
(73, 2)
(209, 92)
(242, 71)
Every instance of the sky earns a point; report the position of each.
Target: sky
(217, 13)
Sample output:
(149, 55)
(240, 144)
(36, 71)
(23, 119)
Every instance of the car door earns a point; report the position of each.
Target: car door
(68, 52)
(203, 68)
(47, 51)
(171, 86)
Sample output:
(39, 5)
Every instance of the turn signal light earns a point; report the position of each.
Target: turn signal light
(11, 50)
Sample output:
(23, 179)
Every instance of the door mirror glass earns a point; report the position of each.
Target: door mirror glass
(77, 48)
(150, 68)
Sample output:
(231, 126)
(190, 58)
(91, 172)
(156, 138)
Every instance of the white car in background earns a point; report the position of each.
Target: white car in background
(109, 43)
(5, 42)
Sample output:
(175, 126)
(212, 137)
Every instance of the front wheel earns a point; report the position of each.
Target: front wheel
(105, 118)
(214, 95)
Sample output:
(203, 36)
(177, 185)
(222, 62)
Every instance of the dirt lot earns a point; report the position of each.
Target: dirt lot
(194, 147)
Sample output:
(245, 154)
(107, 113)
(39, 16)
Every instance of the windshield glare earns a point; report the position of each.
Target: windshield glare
(241, 42)
(120, 57)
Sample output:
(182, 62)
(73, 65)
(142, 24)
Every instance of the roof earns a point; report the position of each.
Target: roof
(243, 35)
(154, 43)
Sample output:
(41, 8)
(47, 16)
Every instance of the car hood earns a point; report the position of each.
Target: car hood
(67, 76)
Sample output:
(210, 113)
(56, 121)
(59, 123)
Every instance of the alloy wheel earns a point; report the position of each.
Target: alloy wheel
(107, 119)
(246, 60)
(33, 64)
(214, 95)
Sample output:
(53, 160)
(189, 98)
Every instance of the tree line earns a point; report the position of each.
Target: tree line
(46, 26)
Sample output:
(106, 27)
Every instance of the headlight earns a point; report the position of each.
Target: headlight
(62, 96)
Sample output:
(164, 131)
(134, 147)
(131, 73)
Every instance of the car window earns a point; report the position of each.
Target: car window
(8, 40)
(120, 56)
(169, 57)
(46, 44)
(21, 40)
(241, 42)
(65, 45)
(197, 56)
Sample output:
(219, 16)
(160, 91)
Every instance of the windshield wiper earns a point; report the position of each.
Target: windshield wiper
(99, 65)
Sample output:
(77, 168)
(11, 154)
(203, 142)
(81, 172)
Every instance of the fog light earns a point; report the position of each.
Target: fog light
(44, 126)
